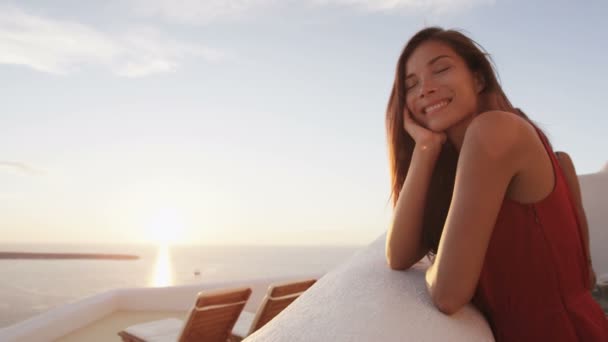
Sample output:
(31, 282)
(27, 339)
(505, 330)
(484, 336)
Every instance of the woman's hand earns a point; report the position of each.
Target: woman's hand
(423, 137)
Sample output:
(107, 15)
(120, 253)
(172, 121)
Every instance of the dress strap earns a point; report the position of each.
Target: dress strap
(544, 140)
(561, 178)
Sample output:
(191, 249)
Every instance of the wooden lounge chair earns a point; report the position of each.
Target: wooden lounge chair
(277, 298)
(210, 320)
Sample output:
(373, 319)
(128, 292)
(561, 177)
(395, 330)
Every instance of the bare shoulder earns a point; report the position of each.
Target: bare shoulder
(515, 145)
(500, 124)
(502, 134)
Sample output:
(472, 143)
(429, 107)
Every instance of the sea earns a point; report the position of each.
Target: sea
(31, 287)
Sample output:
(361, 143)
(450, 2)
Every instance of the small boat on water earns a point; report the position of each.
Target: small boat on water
(359, 300)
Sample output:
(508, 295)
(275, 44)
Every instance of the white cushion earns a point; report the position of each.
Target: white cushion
(169, 337)
(164, 330)
(243, 324)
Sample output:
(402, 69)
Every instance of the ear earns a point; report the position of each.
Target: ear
(480, 82)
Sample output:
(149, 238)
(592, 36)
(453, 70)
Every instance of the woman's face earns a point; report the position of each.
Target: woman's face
(441, 91)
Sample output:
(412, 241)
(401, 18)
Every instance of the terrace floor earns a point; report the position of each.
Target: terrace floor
(106, 328)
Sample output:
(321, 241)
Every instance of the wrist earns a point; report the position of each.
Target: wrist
(427, 152)
(429, 146)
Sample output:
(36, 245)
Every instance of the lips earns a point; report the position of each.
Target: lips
(436, 106)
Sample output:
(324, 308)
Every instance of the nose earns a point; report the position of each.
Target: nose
(427, 87)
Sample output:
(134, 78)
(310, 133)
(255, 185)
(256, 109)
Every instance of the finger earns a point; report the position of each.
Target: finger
(407, 118)
(406, 114)
(409, 125)
(444, 137)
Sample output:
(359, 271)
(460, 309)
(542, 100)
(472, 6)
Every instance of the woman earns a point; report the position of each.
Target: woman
(475, 184)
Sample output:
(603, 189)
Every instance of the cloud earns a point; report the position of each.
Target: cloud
(199, 11)
(60, 47)
(148, 52)
(405, 6)
(20, 167)
(205, 11)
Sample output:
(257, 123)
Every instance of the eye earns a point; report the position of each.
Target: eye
(442, 70)
(410, 85)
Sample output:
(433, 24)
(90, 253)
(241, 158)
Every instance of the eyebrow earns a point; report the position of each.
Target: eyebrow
(433, 60)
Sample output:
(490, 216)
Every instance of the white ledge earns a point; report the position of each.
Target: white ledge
(364, 300)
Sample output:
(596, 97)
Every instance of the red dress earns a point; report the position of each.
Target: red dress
(535, 279)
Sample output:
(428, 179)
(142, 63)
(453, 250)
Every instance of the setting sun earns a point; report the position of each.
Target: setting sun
(165, 226)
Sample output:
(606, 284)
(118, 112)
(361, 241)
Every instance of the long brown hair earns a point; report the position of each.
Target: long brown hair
(401, 145)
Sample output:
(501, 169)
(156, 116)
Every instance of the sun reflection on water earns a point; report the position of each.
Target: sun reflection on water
(163, 272)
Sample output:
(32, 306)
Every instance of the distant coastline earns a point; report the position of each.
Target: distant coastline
(51, 256)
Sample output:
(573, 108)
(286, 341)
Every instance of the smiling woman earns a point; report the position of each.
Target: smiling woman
(477, 187)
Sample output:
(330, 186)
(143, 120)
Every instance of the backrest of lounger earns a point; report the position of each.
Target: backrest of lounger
(279, 296)
(214, 315)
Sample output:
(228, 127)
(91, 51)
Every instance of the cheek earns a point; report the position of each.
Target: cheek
(420, 120)
(469, 99)
(409, 102)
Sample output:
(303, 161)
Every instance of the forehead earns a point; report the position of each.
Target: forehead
(425, 52)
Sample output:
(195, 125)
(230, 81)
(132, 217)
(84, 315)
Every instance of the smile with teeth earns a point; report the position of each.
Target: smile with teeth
(435, 107)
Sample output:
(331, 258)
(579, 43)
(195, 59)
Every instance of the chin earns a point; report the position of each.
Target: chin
(442, 124)
(437, 127)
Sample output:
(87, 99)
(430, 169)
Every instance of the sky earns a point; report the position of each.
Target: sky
(251, 121)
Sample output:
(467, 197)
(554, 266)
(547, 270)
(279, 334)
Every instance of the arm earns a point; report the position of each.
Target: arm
(492, 153)
(404, 238)
(569, 171)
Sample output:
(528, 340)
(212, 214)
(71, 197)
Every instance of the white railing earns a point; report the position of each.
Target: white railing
(63, 320)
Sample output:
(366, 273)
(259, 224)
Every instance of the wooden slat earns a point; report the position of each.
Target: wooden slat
(223, 296)
(271, 309)
(284, 289)
(279, 296)
(215, 324)
(126, 337)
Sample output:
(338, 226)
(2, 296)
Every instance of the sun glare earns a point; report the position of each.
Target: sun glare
(163, 272)
(165, 227)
